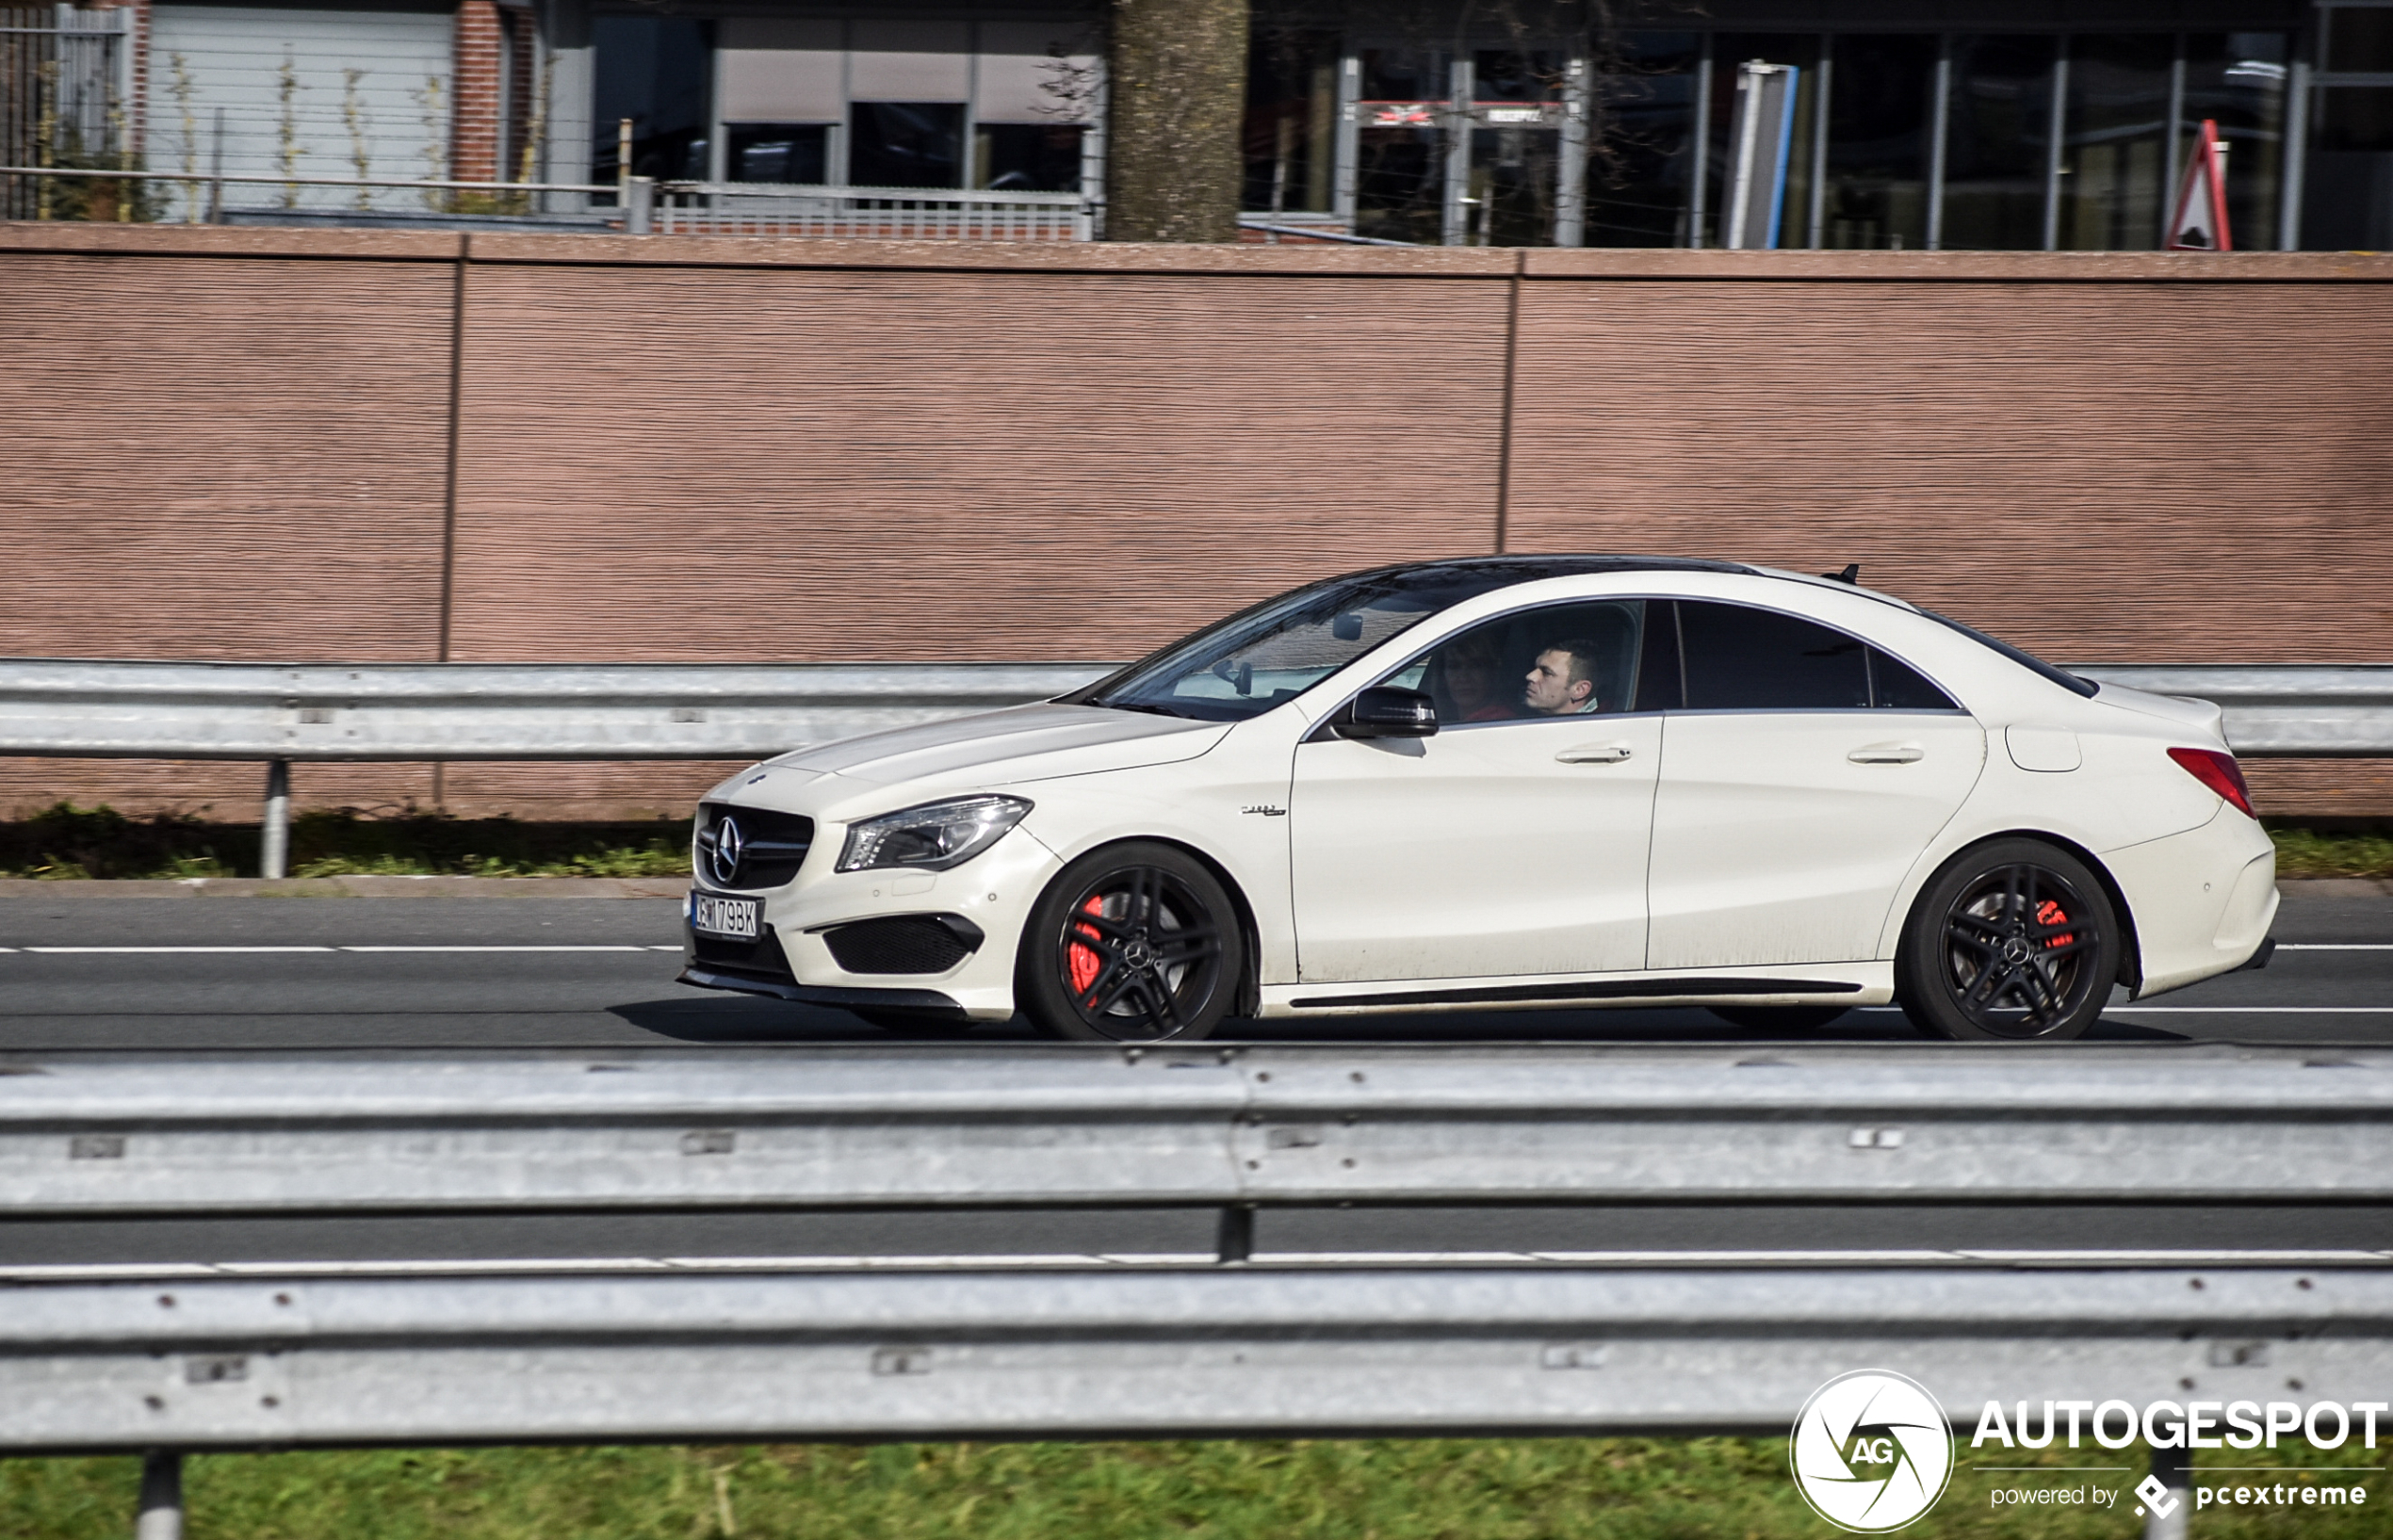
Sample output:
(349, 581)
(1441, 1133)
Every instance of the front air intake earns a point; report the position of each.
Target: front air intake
(903, 944)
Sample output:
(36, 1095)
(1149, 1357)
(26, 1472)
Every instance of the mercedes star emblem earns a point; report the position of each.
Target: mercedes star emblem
(730, 846)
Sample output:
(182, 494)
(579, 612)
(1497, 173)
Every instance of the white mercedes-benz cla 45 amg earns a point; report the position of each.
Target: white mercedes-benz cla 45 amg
(1507, 782)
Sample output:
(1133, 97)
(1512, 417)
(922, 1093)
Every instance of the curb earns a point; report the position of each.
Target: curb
(351, 887)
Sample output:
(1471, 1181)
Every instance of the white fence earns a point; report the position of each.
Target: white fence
(752, 208)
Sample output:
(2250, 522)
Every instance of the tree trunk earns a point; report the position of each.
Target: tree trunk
(1176, 84)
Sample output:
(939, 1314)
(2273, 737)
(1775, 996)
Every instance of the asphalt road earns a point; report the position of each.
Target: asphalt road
(211, 977)
(84, 974)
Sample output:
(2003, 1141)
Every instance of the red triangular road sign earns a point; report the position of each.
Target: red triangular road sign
(2199, 221)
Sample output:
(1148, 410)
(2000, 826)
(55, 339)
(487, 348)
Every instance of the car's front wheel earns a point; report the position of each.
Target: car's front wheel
(2013, 941)
(1134, 943)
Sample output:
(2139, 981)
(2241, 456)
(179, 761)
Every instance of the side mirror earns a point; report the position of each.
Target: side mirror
(1387, 711)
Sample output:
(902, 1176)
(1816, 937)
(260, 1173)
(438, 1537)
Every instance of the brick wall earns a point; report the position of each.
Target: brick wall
(475, 145)
(237, 444)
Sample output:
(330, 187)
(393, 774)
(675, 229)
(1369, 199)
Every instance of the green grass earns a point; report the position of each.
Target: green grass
(2313, 853)
(74, 843)
(1426, 1490)
(70, 843)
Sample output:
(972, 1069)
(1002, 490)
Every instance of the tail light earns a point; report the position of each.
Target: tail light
(2220, 773)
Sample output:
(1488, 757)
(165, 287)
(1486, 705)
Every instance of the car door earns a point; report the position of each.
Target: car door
(1506, 845)
(1804, 778)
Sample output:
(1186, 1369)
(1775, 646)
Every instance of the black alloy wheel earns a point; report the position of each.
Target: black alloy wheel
(1779, 1018)
(2013, 941)
(1135, 943)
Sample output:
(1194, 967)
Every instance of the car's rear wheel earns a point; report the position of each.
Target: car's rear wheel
(1134, 943)
(1779, 1018)
(2014, 941)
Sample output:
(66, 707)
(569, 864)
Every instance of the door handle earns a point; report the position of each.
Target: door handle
(1595, 753)
(1888, 754)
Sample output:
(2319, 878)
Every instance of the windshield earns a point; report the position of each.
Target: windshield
(1243, 666)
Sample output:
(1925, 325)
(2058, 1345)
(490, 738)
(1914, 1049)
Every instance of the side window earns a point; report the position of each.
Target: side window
(1569, 660)
(1741, 659)
(1895, 686)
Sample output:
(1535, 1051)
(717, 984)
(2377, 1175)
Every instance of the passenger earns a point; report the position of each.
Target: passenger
(1563, 682)
(1469, 670)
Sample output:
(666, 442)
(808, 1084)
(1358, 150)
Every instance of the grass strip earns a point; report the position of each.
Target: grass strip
(1303, 1489)
(69, 843)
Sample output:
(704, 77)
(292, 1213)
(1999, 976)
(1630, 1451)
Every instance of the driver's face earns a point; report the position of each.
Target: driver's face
(1550, 687)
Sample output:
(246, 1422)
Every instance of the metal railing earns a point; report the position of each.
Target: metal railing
(65, 82)
(1239, 1342)
(1222, 1128)
(427, 711)
(756, 208)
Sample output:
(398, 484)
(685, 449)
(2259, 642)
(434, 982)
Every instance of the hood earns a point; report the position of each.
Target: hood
(2203, 716)
(1021, 743)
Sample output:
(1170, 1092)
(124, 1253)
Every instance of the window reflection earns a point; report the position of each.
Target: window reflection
(2115, 150)
(1878, 143)
(1400, 172)
(1027, 157)
(1996, 142)
(2349, 192)
(1639, 162)
(1292, 113)
(905, 144)
(776, 151)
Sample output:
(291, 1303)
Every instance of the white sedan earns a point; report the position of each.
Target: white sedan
(1507, 782)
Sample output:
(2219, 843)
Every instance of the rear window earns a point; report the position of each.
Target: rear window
(2026, 660)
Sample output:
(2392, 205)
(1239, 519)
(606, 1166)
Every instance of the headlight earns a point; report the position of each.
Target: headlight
(934, 837)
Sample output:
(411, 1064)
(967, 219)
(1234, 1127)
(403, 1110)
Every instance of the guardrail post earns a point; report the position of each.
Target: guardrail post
(161, 1515)
(639, 205)
(2172, 1468)
(274, 834)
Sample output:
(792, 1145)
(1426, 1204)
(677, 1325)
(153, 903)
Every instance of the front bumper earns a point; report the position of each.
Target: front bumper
(990, 895)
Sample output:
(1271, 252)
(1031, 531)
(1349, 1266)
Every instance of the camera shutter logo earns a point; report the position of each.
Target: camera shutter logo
(1871, 1450)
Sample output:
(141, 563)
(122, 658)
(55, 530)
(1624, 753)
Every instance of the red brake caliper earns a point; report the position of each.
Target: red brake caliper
(1082, 963)
(2050, 913)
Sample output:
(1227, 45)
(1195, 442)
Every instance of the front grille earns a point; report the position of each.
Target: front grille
(772, 846)
(759, 959)
(903, 944)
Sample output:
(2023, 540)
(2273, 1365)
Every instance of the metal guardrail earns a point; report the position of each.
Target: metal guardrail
(1239, 1343)
(2278, 709)
(1228, 1127)
(1238, 1352)
(279, 713)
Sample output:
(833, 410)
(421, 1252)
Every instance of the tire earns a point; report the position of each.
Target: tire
(1779, 1018)
(1134, 943)
(2013, 941)
(911, 1024)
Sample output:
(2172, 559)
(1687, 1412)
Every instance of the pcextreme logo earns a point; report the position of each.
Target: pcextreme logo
(1871, 1450)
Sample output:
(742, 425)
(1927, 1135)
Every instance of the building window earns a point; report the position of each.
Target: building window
(653, 71)
(1642, 139)
(1289, 135)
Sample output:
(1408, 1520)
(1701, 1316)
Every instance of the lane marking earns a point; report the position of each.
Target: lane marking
(120, 951)
(612, 948)
(117, 952)
(2248, 1009)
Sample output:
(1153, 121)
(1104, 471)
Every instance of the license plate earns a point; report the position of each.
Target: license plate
(735, 919)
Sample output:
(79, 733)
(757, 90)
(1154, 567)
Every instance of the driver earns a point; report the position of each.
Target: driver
(1563, 682)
